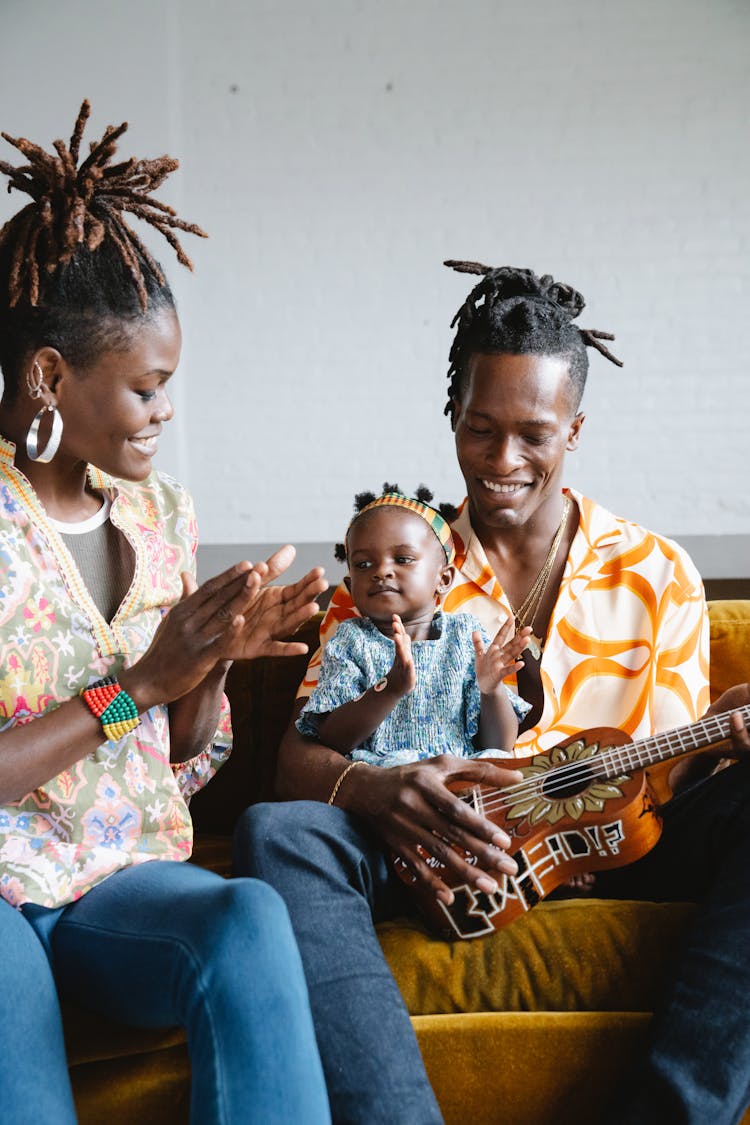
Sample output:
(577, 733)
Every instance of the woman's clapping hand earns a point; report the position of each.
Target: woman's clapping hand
(234, 616)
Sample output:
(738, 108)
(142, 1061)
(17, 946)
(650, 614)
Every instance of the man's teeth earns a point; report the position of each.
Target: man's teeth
(493, 487)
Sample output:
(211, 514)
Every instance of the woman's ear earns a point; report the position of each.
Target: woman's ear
(43, 371)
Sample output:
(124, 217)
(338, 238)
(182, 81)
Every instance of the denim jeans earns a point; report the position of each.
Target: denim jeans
(34, 1080)
(336, 881)
(163, 944)
(696, 1066)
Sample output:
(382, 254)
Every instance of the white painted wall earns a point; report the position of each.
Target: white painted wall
(338, 151)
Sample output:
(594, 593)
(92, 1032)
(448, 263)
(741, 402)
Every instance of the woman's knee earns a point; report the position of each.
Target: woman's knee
(248, 948)
(244, 916)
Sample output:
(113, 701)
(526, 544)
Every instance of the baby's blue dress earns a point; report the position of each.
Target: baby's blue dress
(441, 714)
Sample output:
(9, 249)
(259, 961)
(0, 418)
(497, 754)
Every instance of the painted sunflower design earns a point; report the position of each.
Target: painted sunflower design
(545, 806)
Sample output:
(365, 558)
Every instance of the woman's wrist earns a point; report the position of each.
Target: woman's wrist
(140, 688)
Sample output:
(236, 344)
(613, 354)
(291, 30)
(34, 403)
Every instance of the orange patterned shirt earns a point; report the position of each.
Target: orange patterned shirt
(627, 644)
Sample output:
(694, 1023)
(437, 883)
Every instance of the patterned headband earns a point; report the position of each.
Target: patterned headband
(431, 516)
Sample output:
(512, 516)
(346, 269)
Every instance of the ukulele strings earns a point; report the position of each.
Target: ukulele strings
(566, 774)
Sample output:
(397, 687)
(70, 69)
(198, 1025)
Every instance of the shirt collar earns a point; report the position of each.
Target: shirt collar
(597, 528)
(97, 478)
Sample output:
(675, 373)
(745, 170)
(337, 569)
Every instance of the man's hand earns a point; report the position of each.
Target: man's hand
(412, 805)
(735, 697)
(697, 766)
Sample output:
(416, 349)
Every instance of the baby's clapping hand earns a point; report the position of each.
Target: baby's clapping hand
(501, 657)
(402, 676)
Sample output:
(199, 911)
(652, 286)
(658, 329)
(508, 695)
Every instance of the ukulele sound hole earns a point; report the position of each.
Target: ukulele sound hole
(557, 788)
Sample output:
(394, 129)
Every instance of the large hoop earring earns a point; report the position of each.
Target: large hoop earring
(35, 385)
(32, 436)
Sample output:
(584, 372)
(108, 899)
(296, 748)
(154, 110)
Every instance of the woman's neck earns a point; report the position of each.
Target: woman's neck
(61, 485)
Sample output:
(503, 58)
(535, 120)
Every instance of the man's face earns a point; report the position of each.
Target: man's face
(513, 424)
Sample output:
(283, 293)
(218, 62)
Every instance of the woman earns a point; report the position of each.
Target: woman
(112, 709)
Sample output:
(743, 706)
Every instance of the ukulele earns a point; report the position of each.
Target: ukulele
(586, 805)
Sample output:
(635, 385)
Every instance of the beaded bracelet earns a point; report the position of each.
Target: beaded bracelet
(112, 706)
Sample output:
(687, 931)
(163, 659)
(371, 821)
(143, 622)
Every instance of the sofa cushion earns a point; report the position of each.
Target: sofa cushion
(573, 955)
(730, 644)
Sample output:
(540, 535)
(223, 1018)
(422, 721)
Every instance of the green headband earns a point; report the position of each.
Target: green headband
(431, 516)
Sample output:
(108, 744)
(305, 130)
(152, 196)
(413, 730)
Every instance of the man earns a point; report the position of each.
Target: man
(619, 638)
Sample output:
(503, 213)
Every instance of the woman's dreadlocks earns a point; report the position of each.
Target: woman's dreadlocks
(70, 265)
(512, 310)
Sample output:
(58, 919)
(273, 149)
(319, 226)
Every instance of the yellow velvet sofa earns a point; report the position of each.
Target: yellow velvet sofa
(530, 1026)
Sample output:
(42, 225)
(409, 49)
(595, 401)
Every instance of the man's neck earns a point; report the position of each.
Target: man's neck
(522, 545)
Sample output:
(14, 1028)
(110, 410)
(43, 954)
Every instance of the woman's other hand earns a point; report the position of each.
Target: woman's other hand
(232, 616)
(273, 612)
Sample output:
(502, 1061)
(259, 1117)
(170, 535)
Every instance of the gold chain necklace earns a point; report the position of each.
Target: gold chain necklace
(527, 611)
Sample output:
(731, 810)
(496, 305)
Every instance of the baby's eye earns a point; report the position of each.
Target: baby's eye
(404, 560)
(363, 564)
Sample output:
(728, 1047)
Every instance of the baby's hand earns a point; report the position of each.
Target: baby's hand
(501, 657)
(402, 676)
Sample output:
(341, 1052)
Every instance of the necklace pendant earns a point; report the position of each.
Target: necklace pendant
(534, 647)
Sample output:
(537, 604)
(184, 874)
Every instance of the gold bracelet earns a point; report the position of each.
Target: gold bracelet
(340, 778)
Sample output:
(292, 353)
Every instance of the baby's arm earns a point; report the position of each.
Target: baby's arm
(351, 724)
(498, 725)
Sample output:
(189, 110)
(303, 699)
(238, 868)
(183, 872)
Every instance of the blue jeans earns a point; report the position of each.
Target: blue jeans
(164, 944)
(34, 1080)
(336, 881)
(696, 1065)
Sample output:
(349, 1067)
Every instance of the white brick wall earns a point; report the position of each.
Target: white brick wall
(337, 152)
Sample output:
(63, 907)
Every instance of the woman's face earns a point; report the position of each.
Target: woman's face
(114, 409)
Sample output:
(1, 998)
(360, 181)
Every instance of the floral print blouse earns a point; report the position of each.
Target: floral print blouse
(125, 803)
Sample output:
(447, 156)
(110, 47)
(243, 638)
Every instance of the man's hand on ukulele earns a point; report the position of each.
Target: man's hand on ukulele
(690, 769)
(737, 696)
(411, 807)
(501, 657)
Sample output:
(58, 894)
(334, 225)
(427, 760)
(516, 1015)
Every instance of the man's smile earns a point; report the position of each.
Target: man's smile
(507, 489)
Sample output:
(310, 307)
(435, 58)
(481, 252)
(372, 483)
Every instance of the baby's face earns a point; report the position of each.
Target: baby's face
(396, 565)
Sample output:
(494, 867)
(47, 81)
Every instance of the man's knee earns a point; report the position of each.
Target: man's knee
(271, 833)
